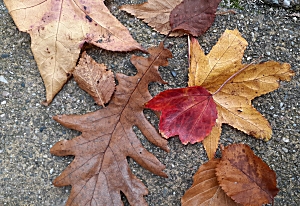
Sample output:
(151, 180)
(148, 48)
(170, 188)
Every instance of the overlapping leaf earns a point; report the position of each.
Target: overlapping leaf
(155, 13)
(206, 190)
(194, 16)
(100, 169)
(94, 79)
(58, 30)
(234, 99)
(245, 177)
(188, 112)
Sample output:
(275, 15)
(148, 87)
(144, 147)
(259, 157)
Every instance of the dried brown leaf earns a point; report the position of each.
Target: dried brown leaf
(194, 16)
(100, 169)
(205, 190)
(245, 177)
(58, 30)
(155, 13)
(94, 79)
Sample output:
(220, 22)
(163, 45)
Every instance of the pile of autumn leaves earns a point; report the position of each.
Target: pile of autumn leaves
(220, 90)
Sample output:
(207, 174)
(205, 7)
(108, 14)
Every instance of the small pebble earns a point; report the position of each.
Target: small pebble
(2, 79)
(285, 140)
(281, 104)
(2, 115)
(51, 171)
(5, 94)
(4, 55)
(285, 149)
(3, 102)
(174, 74)
(42, 128)
(22, 84)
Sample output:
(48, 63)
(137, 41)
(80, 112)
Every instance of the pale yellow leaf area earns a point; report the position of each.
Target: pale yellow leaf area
(234, 99)
(58, 30)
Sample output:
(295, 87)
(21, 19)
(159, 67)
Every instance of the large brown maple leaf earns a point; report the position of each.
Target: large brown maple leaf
(58, 30)
(100, 169)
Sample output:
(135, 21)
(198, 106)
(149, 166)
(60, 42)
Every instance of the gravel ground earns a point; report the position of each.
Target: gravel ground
(28, 131)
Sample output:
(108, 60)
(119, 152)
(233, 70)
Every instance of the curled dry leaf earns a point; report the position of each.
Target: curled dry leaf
(94, 79)
(100, 169)
(194, 16)
(205, 190)
(155, 13)
(58, 30)
(245, 177)
(234, 99)
(188, 112)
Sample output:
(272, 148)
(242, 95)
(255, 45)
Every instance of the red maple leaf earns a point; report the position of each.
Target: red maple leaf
(188, 112)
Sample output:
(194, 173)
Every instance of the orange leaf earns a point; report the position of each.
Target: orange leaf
(188, 112)
(205, 189)
(58, 30)
(94, 79)
(245, 177)
(100, 169)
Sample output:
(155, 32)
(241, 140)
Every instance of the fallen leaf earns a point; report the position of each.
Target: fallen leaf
(194, 16)
(94, 79)
(58, 30)
(205, 189)
(155, 13)
(188, 112)
(210, 142)
(234, 97)
(245, 177)
(100, 169)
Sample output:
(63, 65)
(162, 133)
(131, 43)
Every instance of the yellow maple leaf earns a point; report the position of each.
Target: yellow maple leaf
(233, 98)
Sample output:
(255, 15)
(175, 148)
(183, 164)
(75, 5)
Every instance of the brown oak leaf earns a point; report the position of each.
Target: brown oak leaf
(233, 98)
(58, 30)
(155, 13)
(205, 189)
(100, 169)
(194, 16)
(94, 79)
(245, 177)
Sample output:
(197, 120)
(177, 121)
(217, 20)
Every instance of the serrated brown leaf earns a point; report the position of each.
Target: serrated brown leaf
(205, 190)
(245, 177)
(100, 169)
(58, 30)
(194, 16)
(94, 79)
(155, 13)
(234, 99)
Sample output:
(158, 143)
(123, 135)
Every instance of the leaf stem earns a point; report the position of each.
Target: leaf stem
(235, 74)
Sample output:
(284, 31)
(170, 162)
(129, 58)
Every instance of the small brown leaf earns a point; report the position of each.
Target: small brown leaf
(155, 13)
(94, 79)
(245, 177)
(205, 189)
(194, 16)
